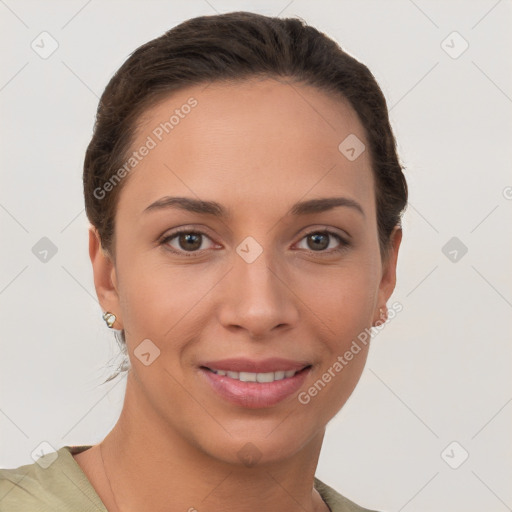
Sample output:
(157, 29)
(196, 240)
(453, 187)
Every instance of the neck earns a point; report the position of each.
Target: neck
(150, 466)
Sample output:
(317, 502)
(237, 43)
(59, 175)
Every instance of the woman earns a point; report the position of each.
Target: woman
(245, 199)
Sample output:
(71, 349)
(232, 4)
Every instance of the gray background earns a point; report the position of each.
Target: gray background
(438, 373)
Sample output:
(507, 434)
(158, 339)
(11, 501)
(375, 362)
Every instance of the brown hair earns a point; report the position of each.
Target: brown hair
(236, 46)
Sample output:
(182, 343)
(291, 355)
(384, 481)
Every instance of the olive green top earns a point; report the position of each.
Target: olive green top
(56, 483)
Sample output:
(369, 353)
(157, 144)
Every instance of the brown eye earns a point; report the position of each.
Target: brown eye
(189, 241)
(185, 242)
(319, 242)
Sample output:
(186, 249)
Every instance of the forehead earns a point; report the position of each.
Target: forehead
(253, 140)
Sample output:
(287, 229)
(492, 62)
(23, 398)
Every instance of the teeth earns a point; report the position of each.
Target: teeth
(266, 377)
(247, 377)
(257, 377)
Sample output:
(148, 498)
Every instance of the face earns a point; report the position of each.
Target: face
(249, 273)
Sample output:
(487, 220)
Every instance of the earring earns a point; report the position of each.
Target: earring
(109, 318)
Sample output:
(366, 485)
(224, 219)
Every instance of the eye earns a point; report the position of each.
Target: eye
(318, 241)
(187, 241)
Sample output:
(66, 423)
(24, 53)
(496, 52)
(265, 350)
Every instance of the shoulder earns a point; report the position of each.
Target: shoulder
(53, 483)
(335, 501)
(27, 488)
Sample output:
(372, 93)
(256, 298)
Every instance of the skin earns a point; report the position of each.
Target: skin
(257, 148)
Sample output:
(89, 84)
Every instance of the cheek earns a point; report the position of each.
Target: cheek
(344, 299)
(343, 308)
(160, 300)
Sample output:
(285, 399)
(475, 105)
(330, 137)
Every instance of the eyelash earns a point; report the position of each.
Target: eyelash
(344, 244)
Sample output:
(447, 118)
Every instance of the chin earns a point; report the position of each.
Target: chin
(257, 444)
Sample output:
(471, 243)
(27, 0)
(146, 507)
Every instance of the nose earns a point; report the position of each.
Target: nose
(258, 298)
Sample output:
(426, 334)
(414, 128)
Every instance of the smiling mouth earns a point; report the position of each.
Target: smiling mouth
(262, 378)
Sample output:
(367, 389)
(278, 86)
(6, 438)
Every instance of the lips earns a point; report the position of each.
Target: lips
(255, 384)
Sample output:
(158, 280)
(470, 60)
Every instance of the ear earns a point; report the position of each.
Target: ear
(105, 279)
(388, 280)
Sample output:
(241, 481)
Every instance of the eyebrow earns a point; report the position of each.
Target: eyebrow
(216, 209)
